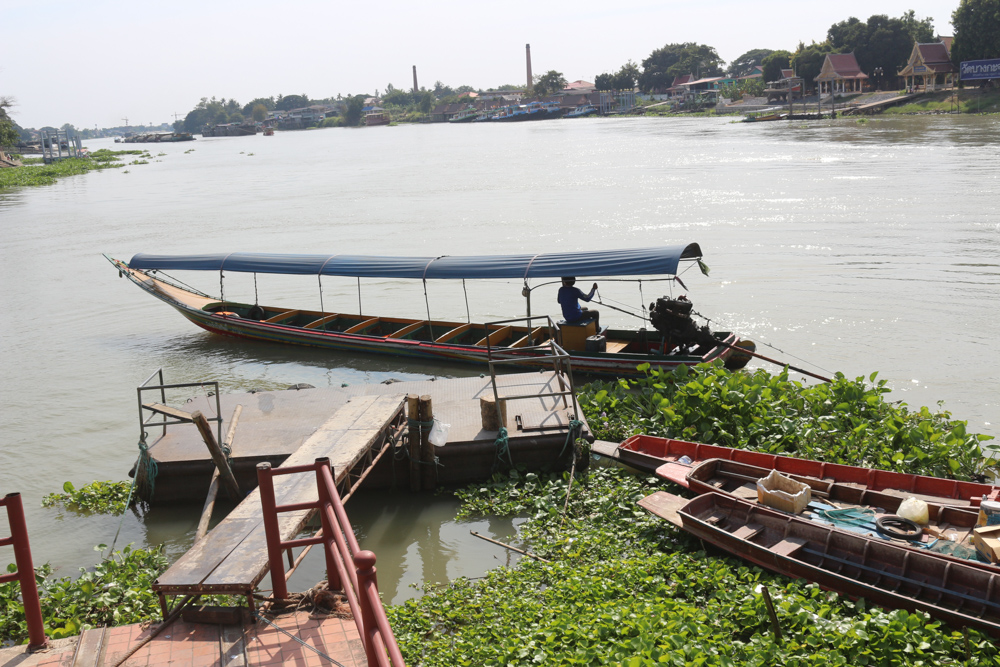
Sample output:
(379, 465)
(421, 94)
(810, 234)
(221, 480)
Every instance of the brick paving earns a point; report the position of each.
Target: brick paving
(205, 645)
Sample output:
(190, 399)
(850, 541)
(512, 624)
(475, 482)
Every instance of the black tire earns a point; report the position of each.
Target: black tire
(899, 528)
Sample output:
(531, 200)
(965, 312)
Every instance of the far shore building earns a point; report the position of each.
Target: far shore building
(578, 88)
(930, 67)
(787, 87)
(840, 75)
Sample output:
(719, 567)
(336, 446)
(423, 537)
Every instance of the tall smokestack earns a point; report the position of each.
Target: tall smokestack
(415, 89)
(527, 53)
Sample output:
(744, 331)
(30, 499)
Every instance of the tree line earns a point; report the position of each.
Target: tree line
(882, 43)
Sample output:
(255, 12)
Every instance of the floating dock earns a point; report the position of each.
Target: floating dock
(274, 424)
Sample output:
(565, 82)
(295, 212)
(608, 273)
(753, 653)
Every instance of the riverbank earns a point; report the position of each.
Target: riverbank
(965, 101)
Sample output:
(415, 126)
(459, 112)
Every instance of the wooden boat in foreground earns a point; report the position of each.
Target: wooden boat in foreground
(851, 564)
(675, 341)
(667, 458)
(947, 535)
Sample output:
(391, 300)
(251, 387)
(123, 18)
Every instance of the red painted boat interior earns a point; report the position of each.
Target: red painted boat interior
(671, 450)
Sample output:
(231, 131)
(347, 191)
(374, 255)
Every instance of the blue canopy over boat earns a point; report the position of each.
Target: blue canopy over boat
(635, 262)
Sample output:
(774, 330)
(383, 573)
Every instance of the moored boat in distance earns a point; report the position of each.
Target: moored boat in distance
(582, 111)
(159, 138)
(465, 115)
(230, 130)
(377, 116)
(674, 342)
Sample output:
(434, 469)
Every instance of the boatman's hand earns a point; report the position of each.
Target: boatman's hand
(594, 288)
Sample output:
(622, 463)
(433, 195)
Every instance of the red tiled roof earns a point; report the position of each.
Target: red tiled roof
(934, 53)
(787, 73)
(845, 64)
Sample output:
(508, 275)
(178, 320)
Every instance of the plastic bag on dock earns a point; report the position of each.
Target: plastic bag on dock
(439, 434)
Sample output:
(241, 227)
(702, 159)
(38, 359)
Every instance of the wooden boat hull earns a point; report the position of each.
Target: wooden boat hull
(646, 450)
(217, 317)
(884, 573)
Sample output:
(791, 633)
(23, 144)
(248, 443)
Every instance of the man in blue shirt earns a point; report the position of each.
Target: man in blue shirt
(569, 298)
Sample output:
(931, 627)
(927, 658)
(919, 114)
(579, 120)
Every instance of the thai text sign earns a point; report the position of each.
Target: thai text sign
(981, 69)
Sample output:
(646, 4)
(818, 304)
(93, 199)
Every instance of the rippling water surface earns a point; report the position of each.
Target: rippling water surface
(850, 247)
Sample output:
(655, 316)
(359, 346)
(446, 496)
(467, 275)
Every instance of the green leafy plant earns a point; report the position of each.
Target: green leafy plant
(99, 497)
(843, 421)
(118, 591)
(625, 588)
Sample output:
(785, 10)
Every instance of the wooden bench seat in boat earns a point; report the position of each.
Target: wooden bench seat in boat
(748, 531)
(408, 329)
(495, 337)
(454, 333)
(281, 317)
(318, 324)
(361, 327)
(788, 546)
(538, 336)
(613, 346)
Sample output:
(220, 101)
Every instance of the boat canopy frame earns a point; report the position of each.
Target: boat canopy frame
(659, 260)
(622, 262)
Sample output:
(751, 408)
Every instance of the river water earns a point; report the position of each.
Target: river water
(851, 247)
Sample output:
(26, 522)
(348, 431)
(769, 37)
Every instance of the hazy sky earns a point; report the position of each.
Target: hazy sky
(95, 62)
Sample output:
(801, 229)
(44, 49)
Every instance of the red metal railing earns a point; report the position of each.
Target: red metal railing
(358, 581)
(25, 570)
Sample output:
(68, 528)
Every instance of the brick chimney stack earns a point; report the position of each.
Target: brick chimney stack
(415, 89)
(527, 51)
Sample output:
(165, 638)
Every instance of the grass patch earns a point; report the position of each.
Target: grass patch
(969, 100)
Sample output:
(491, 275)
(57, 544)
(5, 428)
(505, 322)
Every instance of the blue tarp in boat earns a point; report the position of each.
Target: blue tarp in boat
(635, 262)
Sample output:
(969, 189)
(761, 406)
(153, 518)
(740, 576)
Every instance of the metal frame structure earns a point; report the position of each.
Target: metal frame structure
(145, 386)
(25, 573)
(561, 364)
(348, 568)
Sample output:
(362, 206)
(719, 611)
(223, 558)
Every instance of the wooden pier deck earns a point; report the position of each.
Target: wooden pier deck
(232, 558)
(876, 107)
(274, 424)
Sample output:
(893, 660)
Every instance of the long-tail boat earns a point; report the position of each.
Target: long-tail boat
(673, 341)
(855, 565)
(673, 460)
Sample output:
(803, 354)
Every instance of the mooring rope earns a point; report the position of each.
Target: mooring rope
(502, 445)
(574, 427)
(146, 466)
(146, 471)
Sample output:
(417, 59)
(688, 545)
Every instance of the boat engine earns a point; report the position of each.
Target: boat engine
(672, 318)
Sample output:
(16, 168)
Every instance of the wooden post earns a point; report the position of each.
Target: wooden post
(412, 411)
(488, 413)
(427, 472)
(213, 488)
(217, 454)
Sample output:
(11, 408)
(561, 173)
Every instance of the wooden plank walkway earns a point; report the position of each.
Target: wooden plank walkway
(232, 558)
